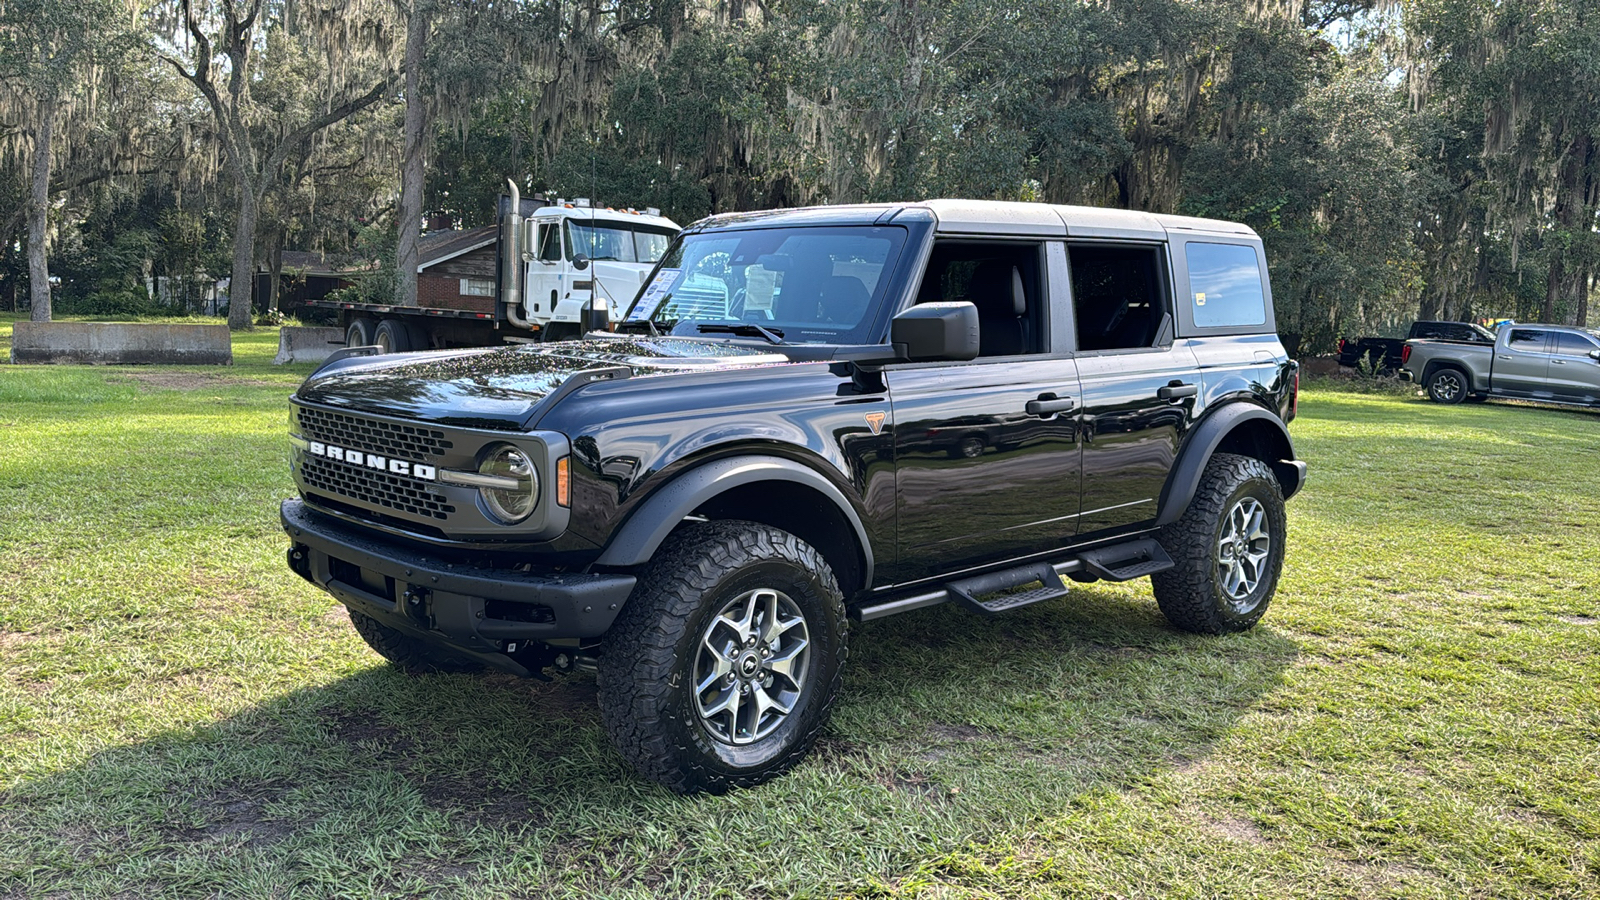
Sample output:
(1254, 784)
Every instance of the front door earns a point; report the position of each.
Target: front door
(1574, 375)
(986, 453)
(545, 286)
(978, 477)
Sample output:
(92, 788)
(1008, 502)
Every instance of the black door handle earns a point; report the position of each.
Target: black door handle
(1049, 405)
(1177, 390)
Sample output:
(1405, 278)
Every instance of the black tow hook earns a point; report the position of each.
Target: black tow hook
(415, 603)
(567, 663)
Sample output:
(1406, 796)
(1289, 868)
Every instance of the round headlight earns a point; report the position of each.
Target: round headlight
(510, 504)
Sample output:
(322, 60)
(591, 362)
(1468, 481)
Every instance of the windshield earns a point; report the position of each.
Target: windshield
(616, 241)
(804, 285)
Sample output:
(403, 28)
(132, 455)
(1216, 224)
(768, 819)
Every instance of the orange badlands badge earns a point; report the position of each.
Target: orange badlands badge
(875, 421)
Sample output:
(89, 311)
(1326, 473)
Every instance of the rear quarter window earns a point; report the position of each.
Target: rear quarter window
(1225, 285)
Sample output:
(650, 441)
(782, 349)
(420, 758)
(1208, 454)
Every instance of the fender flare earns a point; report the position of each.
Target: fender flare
(1202, 444)
(650, 524)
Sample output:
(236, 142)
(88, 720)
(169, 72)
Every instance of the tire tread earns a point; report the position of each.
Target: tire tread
(640, 658)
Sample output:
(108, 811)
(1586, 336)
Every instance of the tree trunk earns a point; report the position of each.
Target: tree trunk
(1569, 215)
(39, 212)
(411, 170)
(240, 303)
(275, 270)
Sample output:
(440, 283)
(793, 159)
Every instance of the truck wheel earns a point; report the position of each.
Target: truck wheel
(393, 336)
(359, 333)
(723, 665)
(1447, 386)
(406, 651)
(970, 447)
(1228, 547)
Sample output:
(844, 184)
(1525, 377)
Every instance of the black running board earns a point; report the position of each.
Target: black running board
(995, 592)
(1125, 562)
(998, 592)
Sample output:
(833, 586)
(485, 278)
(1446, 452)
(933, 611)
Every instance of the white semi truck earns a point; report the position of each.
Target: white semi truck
(561, 268)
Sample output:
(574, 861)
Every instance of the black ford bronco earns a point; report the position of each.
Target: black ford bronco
(809, 416)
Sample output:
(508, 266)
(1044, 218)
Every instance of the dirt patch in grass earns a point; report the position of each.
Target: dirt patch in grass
(359, 727)
(916, 785)
(1580, 620)
(955, 733)
(576, 698)
(1234, 828)
(836, 750)
(474, 805)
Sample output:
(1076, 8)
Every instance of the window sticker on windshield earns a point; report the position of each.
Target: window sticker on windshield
(655, 292)
(1199, 298)
(759, 286)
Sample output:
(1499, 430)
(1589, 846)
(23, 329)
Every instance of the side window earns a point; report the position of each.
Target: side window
(1569, 344)
(1002, 280)
(1527, 340)
(1117, 296)
(1225, 285)
(550, 242)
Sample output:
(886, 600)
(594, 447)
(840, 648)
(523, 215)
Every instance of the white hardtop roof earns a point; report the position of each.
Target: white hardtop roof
(604, 215)
(979, 217)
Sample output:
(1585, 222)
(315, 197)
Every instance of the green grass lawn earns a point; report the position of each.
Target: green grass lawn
(1418, 715)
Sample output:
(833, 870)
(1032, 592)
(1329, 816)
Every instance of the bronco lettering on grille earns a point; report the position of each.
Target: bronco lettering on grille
(373, 461)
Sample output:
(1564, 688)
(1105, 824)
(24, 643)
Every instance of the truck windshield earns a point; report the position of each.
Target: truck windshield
(616, 241)
(818, 285)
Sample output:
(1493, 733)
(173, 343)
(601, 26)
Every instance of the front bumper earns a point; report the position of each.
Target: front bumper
(483, 611)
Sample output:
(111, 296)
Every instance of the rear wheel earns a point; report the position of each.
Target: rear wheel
(1228, 547)
(359, 333)
(721, 669)
(1447, 386)
(393, 335)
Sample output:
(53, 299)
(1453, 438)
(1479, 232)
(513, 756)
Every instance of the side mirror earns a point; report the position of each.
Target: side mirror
(580, 262)
(1594, 355)
(934, 331)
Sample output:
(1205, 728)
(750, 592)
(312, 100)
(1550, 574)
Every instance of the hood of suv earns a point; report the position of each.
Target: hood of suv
(499, 388)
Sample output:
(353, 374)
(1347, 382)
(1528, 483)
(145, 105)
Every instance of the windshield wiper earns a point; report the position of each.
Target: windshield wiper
(747, 329)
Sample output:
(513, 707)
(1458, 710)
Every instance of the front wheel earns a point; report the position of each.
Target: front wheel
(721, 669)
(1228, 547)
(1447, 386)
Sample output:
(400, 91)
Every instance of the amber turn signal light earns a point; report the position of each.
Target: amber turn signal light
(563, 481)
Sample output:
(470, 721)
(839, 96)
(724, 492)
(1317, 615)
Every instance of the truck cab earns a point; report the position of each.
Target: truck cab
(575, 254)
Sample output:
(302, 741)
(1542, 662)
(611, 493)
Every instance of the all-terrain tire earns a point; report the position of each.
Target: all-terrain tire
(406, 651)
(649, 700)
(1196, 595)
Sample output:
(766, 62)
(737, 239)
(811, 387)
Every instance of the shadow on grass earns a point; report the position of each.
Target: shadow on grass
(952, 729)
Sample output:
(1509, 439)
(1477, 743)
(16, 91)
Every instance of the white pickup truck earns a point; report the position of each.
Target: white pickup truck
(1549, 363)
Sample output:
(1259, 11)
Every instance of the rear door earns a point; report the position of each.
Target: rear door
(1522, 363)
(1138, 384)
(986, 454)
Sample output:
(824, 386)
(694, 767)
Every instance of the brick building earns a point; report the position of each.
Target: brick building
(456, 269)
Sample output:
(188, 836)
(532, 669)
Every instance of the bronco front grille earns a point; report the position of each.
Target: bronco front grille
(371, 435)
(373, 487)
